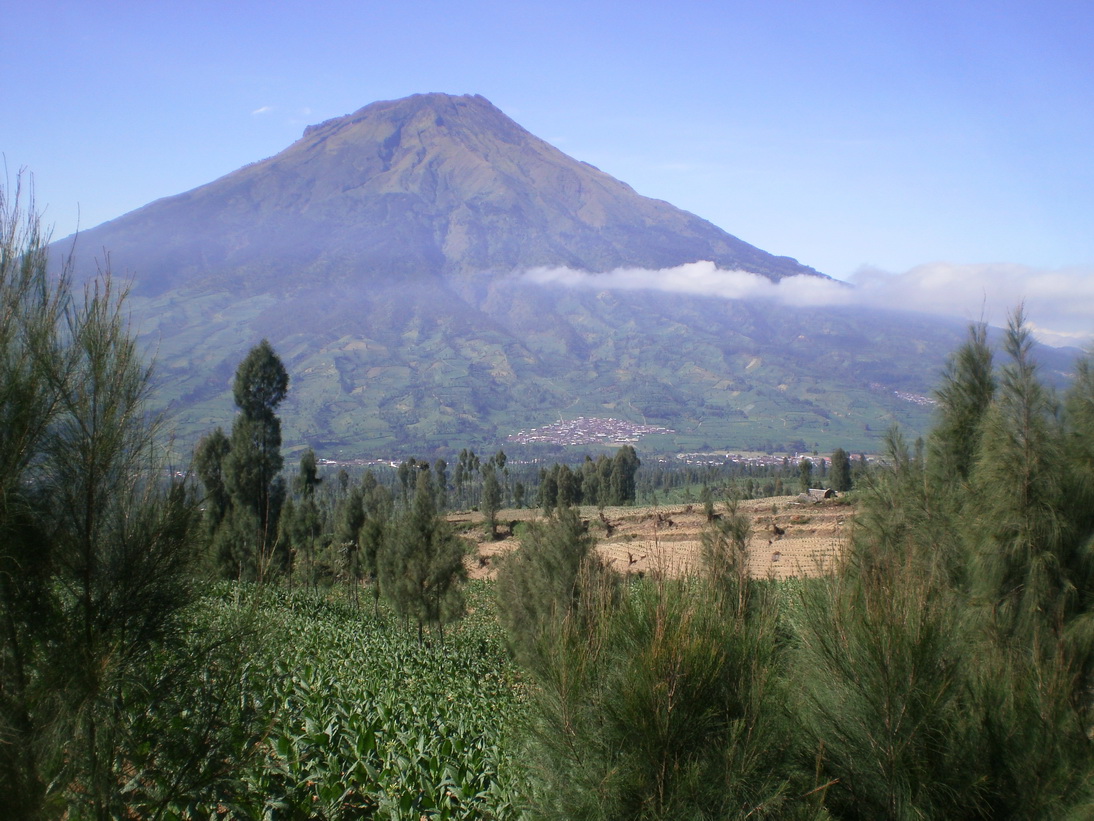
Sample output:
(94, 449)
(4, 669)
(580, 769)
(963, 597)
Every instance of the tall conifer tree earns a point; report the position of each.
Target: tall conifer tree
(421, 569)
(250, 468)
(966, 393)
(96, 553)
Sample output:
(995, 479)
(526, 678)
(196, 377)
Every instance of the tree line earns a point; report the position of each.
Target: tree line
(259, 527)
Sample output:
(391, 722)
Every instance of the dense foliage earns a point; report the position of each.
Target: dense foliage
(421, 570)
(663, 699)
(241, 473)
(96, 555)
(355, 718)
(947, 670)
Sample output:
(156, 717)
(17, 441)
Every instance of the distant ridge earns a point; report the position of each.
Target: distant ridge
(428, 185)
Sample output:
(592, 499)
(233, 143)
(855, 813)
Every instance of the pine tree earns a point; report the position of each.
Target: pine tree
(604, 467)
(883, 703)
(491, 500)
(209, 466)
(625, 465)
(1021, 531)
(375, 532)
(249, 469)
(304, 522)
(724, 550)
(545, 581)
(968, 387)
(706, 499)
(548, 490)
(349, 521)
(96, 555)
(590, 482)
(805, 474)
(960, 621)
(841, 471)
(440, 482)
(568, 488)
(501, 462)
(405, 471)
(664, 702)
(422, 571)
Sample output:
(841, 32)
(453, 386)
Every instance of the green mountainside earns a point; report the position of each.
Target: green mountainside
(391, 372)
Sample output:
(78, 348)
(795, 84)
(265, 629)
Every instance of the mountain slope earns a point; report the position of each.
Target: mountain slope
(381, 256)
(425, 371)
(428, 185)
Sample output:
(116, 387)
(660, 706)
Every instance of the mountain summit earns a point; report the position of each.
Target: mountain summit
(431, 184)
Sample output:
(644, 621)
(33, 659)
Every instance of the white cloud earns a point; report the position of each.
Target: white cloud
(699, 278)
(1059, 303)
(266, 109)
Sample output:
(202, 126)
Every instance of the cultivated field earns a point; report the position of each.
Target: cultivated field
(667, 538)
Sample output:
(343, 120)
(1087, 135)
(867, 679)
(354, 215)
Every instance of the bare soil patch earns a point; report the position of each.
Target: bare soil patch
(790, 536)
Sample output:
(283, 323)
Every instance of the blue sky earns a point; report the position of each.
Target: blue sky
(945, 147)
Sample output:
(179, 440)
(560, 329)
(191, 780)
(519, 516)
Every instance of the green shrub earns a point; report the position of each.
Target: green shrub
(668, 704)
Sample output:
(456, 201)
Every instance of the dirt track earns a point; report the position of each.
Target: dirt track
(667, 538)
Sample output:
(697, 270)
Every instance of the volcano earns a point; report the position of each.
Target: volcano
(383, 255)
(430, 185)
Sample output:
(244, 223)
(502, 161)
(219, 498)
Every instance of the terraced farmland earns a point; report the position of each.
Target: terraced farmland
(667, 539)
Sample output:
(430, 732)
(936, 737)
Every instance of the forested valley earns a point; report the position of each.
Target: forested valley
(241, 638)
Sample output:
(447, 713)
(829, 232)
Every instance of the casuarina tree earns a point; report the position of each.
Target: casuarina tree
(95, 552)
(249, 467)
(841, 470)
(421, 567)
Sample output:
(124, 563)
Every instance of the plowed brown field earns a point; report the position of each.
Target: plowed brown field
(667, 538)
